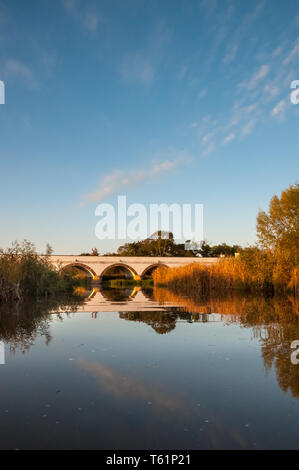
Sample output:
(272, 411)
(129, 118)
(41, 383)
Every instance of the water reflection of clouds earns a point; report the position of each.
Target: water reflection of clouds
(121, 388)
(206, 427)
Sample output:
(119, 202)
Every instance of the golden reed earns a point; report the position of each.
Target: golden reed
(228, 274)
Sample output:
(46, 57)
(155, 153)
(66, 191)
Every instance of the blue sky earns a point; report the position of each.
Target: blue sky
(97, 91)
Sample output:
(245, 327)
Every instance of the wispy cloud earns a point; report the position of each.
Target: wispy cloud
(248, 128)
(119, 180)
(260, 94)
(143, 64)
(91, 20)
(259, 75)
(279, 110)
(202, 93)
(271, 89)
(88, 17)
(207, 137)
(71, 6)
(241, 31)
(208, 150)
(229, 138)
(230, 54)
(293, 54)
(138, 68)
(15, 69)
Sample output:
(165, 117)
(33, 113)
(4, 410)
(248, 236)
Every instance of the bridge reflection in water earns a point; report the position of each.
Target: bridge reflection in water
(134, 299)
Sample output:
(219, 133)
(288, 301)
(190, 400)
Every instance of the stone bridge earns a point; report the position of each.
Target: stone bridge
(139, 267)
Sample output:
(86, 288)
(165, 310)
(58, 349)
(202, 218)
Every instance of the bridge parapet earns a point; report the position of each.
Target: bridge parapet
(97, 265)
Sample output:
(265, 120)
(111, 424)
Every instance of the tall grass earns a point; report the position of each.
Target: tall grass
(254, 271)
(24, 274)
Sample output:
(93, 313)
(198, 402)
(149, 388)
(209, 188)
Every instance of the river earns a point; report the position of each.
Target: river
(147, 369)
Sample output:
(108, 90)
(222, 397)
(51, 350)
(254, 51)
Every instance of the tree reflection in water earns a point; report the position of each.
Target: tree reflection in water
(22, 324)
(274, 322)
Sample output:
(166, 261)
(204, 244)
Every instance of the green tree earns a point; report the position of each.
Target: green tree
(205, 249)
(278, 232)
(225, 250)
(279, 228)
(208, 251)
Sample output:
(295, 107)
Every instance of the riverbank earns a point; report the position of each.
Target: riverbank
(25, 275)
(254, 271)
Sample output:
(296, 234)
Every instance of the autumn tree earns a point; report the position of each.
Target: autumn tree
(279, 228)
(278, 232)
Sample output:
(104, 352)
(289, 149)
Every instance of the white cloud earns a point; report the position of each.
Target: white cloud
(136, 67)
(202, 93)
(206, 138)
(293, 53)
(71, 6)
(258, 76)
(231, 54)
(91, 21)
(123, 179)
(229, 138)
(241, 32)
(271, 90)
(250, 108)
(248, 128)
(143, 64)
(279, 110)
(87, 17)
(14, 68)
(209, 149)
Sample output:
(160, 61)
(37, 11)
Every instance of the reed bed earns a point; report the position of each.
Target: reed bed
(24, 274)
(257, 273)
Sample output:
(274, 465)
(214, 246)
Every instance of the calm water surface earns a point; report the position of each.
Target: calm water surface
(137, 369)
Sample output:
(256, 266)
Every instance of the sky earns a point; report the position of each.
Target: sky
(164, 101)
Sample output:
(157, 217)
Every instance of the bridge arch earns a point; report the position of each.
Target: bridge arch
(150, 269)
(126, 267)
(82, 267)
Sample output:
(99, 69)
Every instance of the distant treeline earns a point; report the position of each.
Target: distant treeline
(24, 274)
(272, 266)
(161, 243)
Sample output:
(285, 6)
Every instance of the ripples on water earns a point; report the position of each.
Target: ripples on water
(147, 369)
